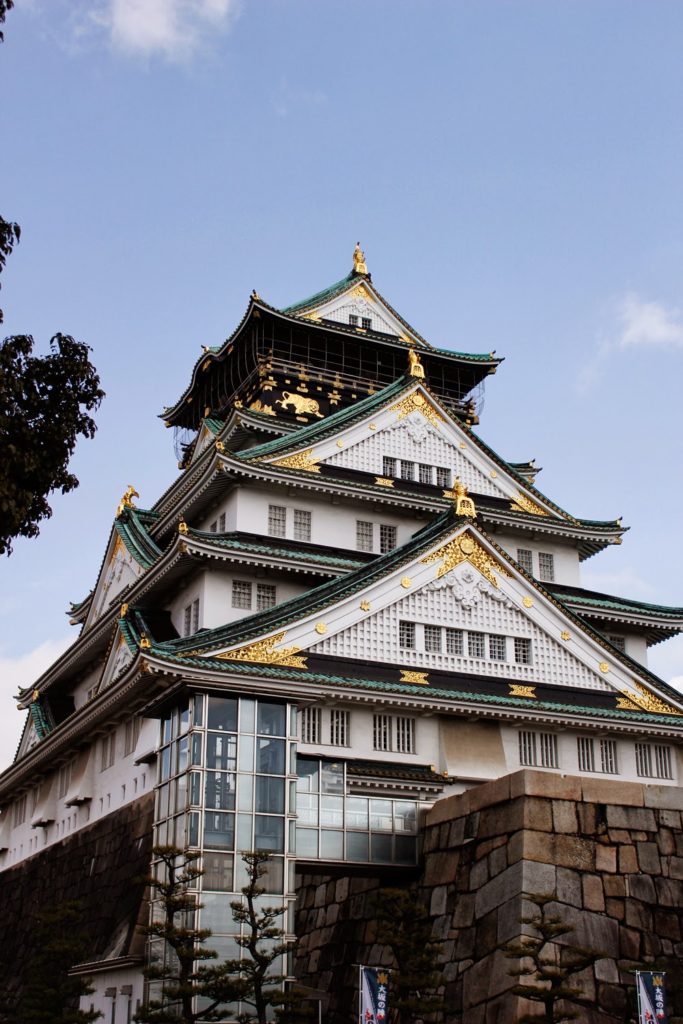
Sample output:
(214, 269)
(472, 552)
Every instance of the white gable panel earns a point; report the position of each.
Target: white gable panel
(119, 659)
(361, 302)
(121, 571)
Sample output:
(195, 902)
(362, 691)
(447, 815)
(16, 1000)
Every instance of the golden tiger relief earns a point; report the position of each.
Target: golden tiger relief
(301, 404)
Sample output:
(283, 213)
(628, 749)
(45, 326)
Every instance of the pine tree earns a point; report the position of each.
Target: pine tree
(404, 925)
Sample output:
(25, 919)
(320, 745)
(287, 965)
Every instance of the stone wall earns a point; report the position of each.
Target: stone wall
(98, 866)
(611, 853)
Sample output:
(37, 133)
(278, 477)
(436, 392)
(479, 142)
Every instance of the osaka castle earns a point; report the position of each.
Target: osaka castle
(345, 607)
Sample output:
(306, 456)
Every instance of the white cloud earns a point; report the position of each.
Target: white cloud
(648, 323)
(172, 29)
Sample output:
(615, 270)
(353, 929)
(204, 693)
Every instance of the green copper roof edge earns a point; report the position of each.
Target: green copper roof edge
(237, 545)
(618, 604)
(324, 293)
(132, 531)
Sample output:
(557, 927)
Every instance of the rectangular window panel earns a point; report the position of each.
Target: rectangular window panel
(546, 567)
(608, 757)
(217, 872)
(311, 722)
(266, 594)
(387, 538)
(388, 466)
(498, 648)
(525, 559)
(407, 470)
(366, 322)
(522, 650)
(443, 476)
(339, 728)
(277, 521)
(476, 645)
(405, 734)
(381, 732)
(353, 319)
(662, 761)
(221, 523)
(213, 527)
(547, 745)
(187, 620)
(527, 748)
(302, 524)
(425, 473)
(433, 639)
(586, 754)
(364, 535)
(406, 635)
(644, 760)
(241, 594)
(195, 615)
(454, 641)
(618, 641)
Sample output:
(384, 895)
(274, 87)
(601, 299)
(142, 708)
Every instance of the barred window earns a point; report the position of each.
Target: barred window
(527, 747)
(406, 635)
(241, 594)
(618, 641)
(405, 734)
(277, 520)
(586, 754)
(425, 473)
(64, 779)
(497, 648)
(407, 470)
(546, 567)
(454, 641)
(191, 618)
(548, 750)
(221, 523)
(131, 735)
(353, 319)
(364, 535)
(388, 466)
(366, 322)
(107, 751)
(381, 732)
(266, 594)
(443, 476)
(525, 559)
(538, 749)
(608, 757)
(476, 645)
(339, 728)
(302, 524)
(214, 526)
(311, 723)
(653, 761)
(387, 538)
(19, 812)
(433, 639)
(522, 650)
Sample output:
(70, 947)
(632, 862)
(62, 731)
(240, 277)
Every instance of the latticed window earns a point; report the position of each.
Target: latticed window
(527, 747)
(476, 645)
(405, 734)
(546, 567)
(107, 751)
(618, 641)
(586, 754)
(653, 761)
(191, 618)
(406, 634)
(387, 538)
(608, 757)
(425, 473)
(547, 748)
(131, 735)
(241, 594)
(407, 470)
(538, 749)
(366, 322)
(454, 641)
(497, 648)
(388, 466)
(302, 524)
(64, 779)
(381, 732)
(221, 523)
(353, 319)
(266, 594)
(443, 476)
(277, 520)
(522, 650)
(525, 559)
(364, 535)
(433, 639)
(311, 724)
(339, 728)
(19, 812)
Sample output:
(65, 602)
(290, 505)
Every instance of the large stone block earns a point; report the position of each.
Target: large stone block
(544, 784)
(605, 858)
(610, 791)
(648, 858)
(669, 797)
(642, 818)
(641, 887)
(569, 887)
(593, 895)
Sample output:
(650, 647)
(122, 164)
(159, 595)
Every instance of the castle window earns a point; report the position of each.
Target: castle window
(387, 538)
(19, 813)
(388, 466)
(366, 322)
(353, 319)
(131, 735)
(191, 618)
(277, 520)
(454, 641)
(497, 648)
(64, 779)
(405, 734)
(522, 650)
(586, 754)
(311, 723)
(546, 567)
(221, 523)
(425, 473)
(339, 728)
(653, 761)
(525, 559)
(475, 645)
(241, 594)
(407, 470)
(608, 757)
(302, 524)
(538, 749)
(381, 732)
(107, 751)
(406, 635)
(618, 641)
(433, 639)
(443, 476)
(265, 596)
(364, 535)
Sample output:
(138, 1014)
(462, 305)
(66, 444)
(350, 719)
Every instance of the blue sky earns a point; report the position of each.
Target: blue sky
(512, 169)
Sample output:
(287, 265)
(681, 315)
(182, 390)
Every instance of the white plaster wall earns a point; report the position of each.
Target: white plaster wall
(566, 556)
(361, 739)
(216, 595)
(227, 505)
(120, 1006)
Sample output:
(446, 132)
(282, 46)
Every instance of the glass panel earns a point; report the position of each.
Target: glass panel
(198, 709)
(195, 788)
(272, 719)
(222, 714)
(307, 808)
(292, 721)
(193, 830)
(357, 846)
(165, 769)
(166, 729)
(332, 777)
(217, 872)
(162, 802)
(307, 772)
(219, 791)
(196, 748)
(332, 811)
(269, 834)
(181, 793)
(219, 830)
(405, 816)
(273, 877)
(247, 715)
(307, 842)
(245, 793)
(332, 844)
(270, 795)
(246, 753)
(405, 849)
(184, 723)
(270, 757)
(182, 754)
(215, 913)
(380, 815)
(226, 947)
(380, 848)
(292, 798)
(162, 833)
(356, 812)
(221, 752)
(244, 833)
(292, 759)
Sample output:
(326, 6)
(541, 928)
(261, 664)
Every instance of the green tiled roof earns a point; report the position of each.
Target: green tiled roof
(324, 294)
(132, 527)
(618, 604)
(236, 542)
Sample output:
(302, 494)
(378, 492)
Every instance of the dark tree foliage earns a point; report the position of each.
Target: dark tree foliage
(10, 233)
(50, 995)
(44, 406)
(404, 925)
(180, 968)
(5, 6)
(547, 966)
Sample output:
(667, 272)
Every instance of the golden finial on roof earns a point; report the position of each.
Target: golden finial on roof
(415, 367)
(145, 642)
(359, 264)
(127, 500)
(255, 295)
(182, 526)
(36, 696)
(464, 506)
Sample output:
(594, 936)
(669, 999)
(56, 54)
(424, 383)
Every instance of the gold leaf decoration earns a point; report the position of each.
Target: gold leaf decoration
(406, 583)
(301, 460)
(417, 403)
(466, 549)
(647, 701)
(604, 667)
(266, 652)
(524, 504)
(623, 704)
(566, 635)
(365, 606)
(414, 677)
(384, 481)
(528, 602)
(321, 627)
(517, 690)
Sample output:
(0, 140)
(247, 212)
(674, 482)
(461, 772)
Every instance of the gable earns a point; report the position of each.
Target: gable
(120, 571)
(360, 300)
(119, 658)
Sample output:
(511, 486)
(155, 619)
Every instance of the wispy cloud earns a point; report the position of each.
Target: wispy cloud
(174, 30)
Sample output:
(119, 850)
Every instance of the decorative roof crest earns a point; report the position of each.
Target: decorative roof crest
(464, 505)
(415, 367)
(359, 264)
(127, 500)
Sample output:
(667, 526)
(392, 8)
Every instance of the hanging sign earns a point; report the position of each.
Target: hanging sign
(651, 997)
(374, 989)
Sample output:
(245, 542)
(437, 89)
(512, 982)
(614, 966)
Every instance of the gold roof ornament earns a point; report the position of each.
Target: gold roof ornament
(182, 526)
(126, 500)
(415, 367)
(464, 505)
(359, 264)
